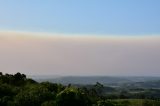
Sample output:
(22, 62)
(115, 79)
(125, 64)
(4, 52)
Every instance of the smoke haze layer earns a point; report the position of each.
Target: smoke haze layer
(79, 55)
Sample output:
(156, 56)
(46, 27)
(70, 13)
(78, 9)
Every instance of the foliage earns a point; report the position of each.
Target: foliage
(18, 90)
(72, 97)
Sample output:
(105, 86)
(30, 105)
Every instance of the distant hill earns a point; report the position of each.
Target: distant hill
(93, 79)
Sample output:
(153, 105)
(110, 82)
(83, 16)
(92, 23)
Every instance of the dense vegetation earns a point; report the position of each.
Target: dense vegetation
(17, 90)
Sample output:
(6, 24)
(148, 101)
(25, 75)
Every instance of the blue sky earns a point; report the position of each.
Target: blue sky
(100, 17)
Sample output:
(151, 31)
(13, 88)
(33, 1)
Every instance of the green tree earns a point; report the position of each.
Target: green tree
(49, 103)
(33, 96)
(72, 97)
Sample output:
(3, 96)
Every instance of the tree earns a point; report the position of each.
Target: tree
(50, 86)
(49, 103)
(33, 96)
(1, 73)
(99, 88)
(72, 97)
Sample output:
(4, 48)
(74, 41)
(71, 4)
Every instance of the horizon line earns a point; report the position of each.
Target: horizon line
(73, 35)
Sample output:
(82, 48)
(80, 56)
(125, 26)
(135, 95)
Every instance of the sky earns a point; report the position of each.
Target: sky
(113, 17)
(80, 37)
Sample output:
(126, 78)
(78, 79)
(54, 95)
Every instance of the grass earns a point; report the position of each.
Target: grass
(138, 102)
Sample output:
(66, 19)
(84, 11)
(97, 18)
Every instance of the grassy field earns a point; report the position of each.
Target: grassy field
(137, 102)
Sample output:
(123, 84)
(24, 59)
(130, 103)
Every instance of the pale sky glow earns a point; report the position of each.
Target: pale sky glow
(79, 56)
(25, 34)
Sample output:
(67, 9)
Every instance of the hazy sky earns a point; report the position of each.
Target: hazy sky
(130, 17)
(80, 37)
(68, 55)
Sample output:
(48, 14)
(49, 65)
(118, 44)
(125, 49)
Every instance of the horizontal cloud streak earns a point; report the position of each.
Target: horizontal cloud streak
(79, 55)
